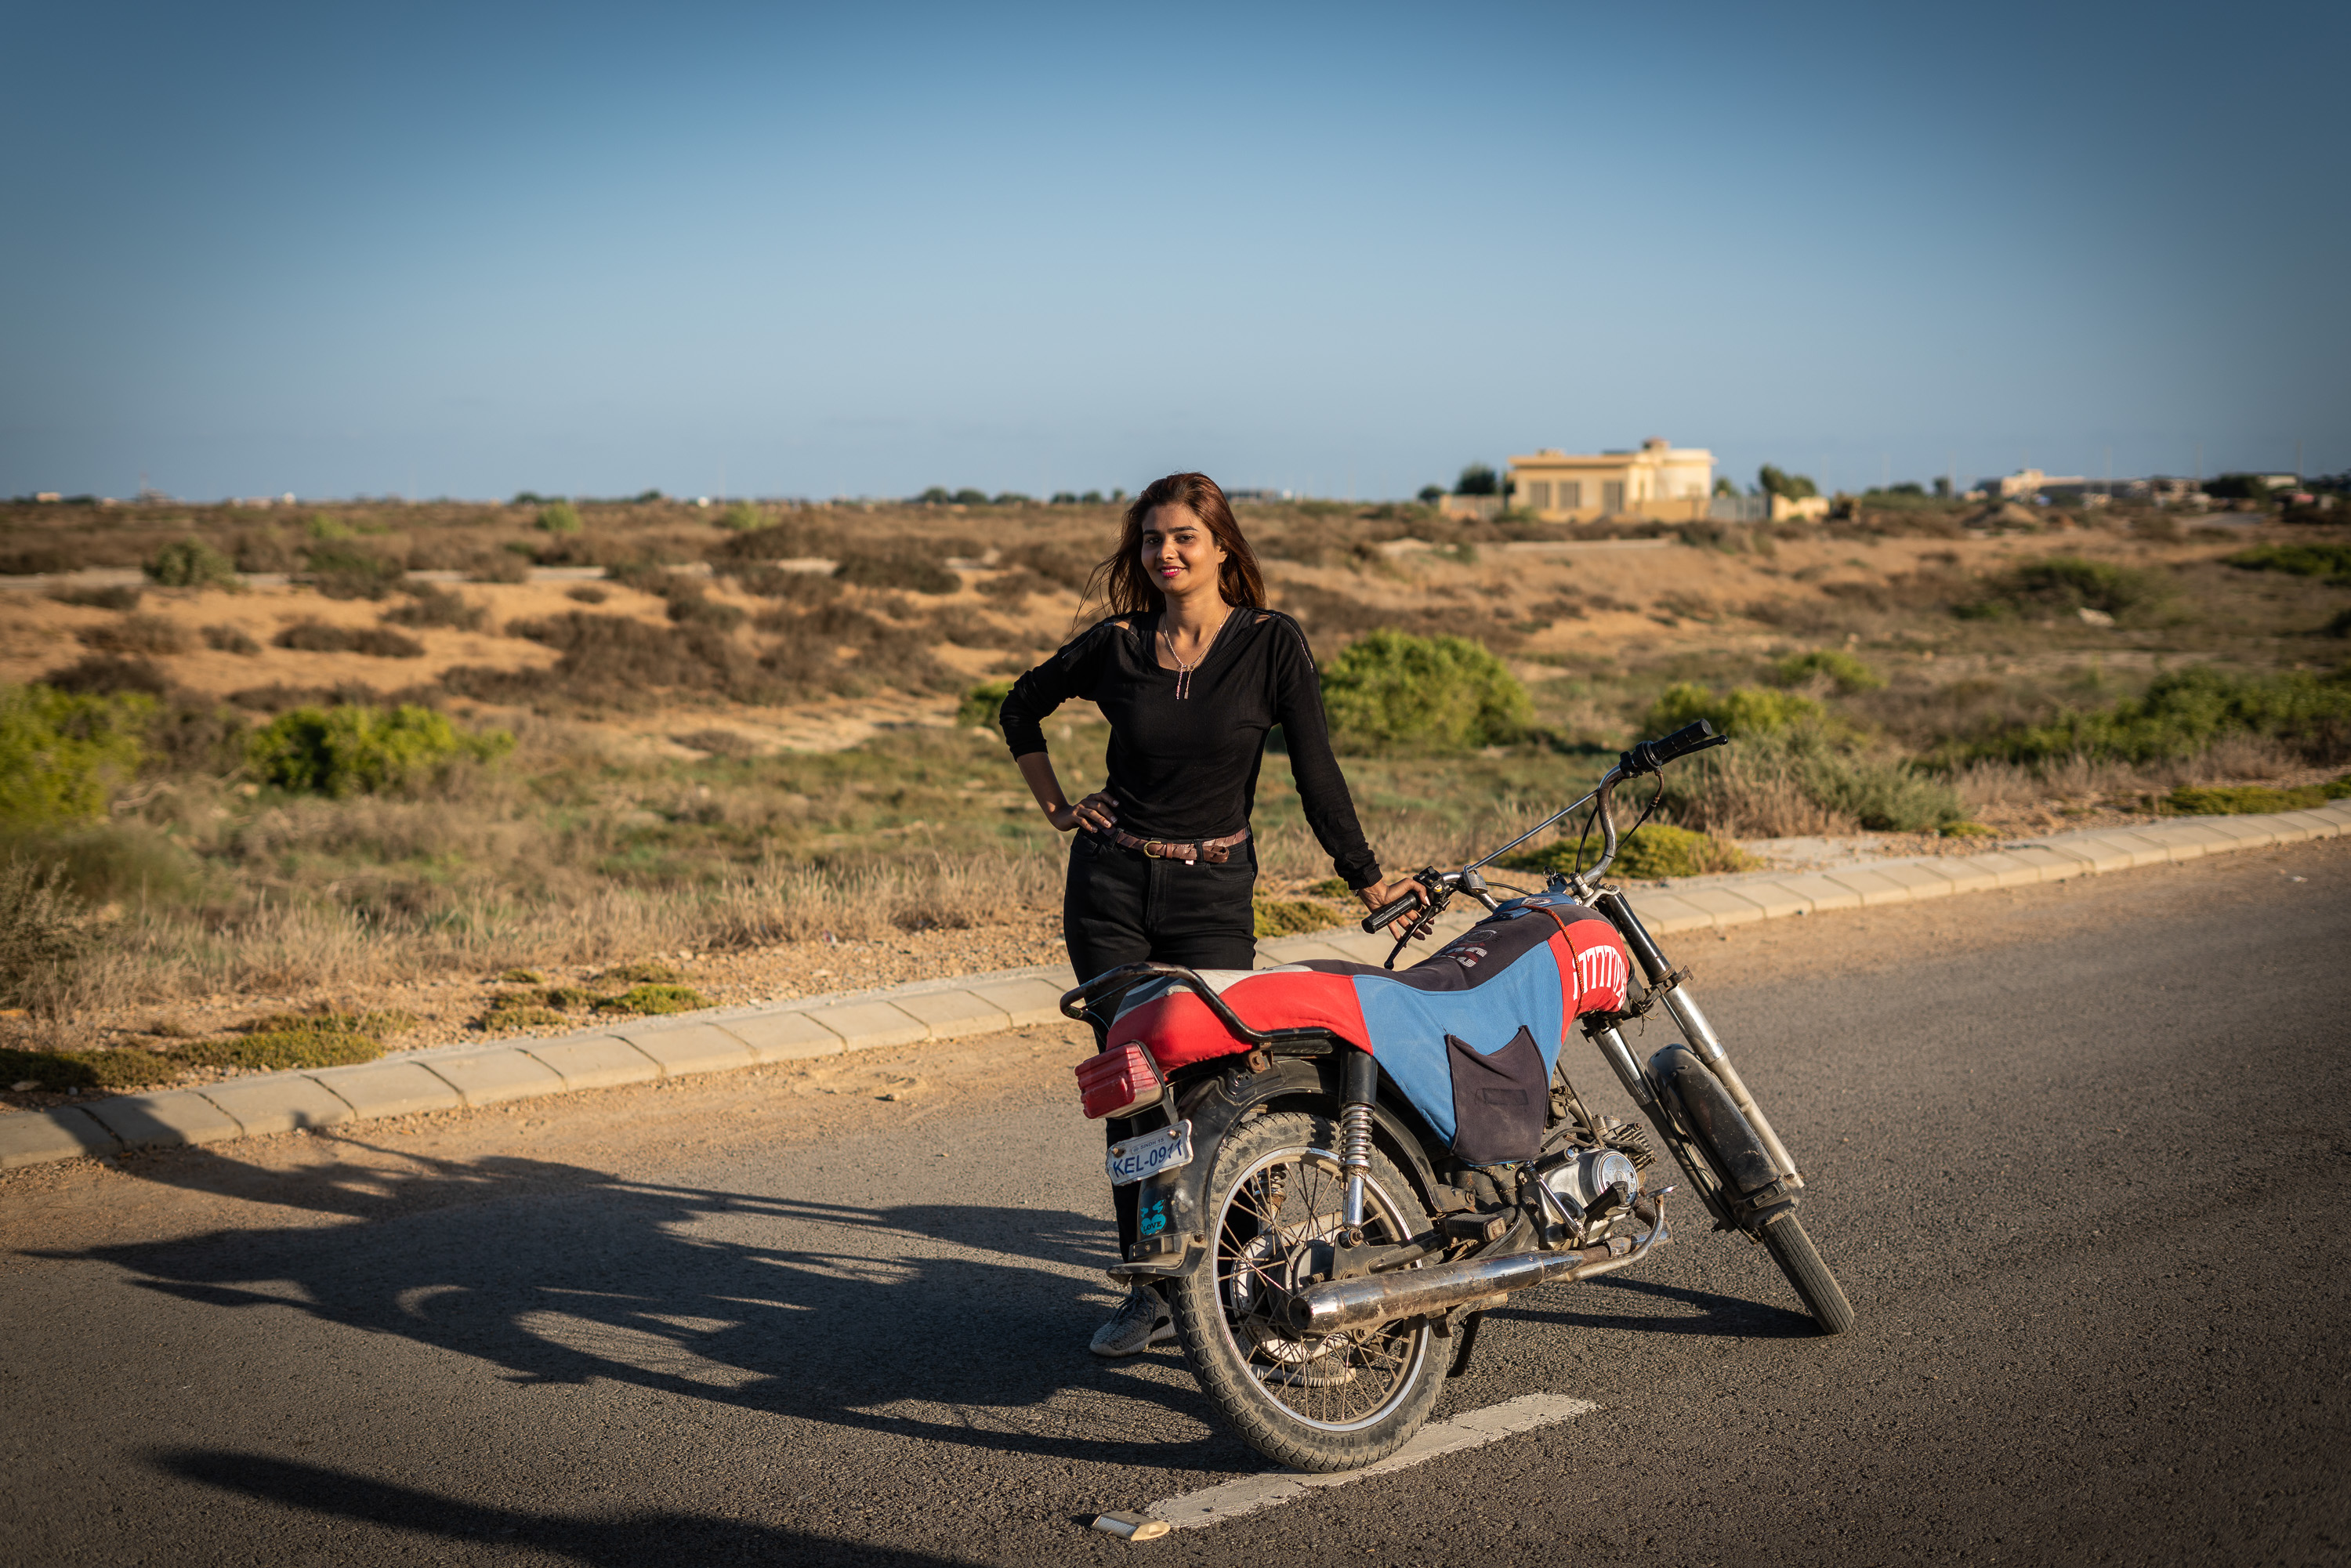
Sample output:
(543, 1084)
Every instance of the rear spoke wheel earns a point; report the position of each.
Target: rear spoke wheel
(1316, 1402)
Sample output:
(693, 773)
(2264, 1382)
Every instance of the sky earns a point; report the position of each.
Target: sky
(765, 250)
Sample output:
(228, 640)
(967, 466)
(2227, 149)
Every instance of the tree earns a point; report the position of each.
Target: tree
(1477, 480)
(1723, 486)
(1431, 494)
(1795, 486)
(2238, 487)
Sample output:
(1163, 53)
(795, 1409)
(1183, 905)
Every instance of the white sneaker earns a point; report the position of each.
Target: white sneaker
(1140, 1321)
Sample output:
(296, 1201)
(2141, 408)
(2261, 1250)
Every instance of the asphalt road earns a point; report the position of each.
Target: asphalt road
(2079, 1155)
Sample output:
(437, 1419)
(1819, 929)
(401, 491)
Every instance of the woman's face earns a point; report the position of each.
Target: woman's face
(1179, 554)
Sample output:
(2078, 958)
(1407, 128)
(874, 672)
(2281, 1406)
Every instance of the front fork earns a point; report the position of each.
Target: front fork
(1643, 1088)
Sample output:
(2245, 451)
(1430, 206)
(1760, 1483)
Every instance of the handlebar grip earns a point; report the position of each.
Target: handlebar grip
(1652, 755)
(1390, 911)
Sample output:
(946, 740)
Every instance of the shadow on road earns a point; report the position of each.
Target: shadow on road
(1718, 1315)
(625, 1539)
(949, 1322)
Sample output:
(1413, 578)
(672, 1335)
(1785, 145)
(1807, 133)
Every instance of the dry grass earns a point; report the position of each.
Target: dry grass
(2235, 759)
(673, 808)
(156, 955)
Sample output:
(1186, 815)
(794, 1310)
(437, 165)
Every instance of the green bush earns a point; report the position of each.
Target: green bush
(1392, 692)
(1742, 711)
(2331, 561)
(1289, 916)
(983, 705)
(351, 749)
(63, 755)
(742, 516)
(2064, 583)
(1658, 850)
(559, 517)
(654, 999)
(1848, 674)
(1661, 850)
(519, 1011)
(2183, 713)
(267, 1045)
(308, 1044)
(641, 974)
(190, 563)
(348, 571)
(2246, 799)
(59, 1070)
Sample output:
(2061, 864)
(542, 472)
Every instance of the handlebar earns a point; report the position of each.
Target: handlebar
(1392, 910)
(1650, 755)
(1647, 756)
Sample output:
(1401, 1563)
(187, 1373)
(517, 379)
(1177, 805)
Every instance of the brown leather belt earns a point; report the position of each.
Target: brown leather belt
(1215, 852)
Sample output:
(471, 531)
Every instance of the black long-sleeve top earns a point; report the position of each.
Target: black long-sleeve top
(1185, 768)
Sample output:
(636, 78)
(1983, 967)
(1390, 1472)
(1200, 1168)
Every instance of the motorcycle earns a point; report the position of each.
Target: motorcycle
(1342, 1167)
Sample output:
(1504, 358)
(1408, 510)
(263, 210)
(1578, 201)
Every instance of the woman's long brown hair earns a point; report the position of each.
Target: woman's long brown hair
(1122, 580)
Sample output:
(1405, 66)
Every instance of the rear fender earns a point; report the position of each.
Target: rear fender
(1173, 1205)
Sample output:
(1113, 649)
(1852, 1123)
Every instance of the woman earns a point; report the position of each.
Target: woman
(1191, 669)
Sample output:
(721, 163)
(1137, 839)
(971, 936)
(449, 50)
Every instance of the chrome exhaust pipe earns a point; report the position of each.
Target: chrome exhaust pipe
(1416, 1293)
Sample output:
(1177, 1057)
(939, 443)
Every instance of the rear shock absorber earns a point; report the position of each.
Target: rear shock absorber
(1360, 1087)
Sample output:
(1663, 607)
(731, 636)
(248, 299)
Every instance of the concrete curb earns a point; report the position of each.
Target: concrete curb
(721, 1039)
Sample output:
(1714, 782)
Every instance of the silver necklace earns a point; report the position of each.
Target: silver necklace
(1183, 670)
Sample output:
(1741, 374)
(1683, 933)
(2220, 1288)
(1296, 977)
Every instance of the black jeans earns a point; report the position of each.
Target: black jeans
(1121, 907)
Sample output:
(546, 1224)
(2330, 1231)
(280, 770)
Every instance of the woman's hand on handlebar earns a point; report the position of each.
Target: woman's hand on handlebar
(1384, 892)
(1096, 813)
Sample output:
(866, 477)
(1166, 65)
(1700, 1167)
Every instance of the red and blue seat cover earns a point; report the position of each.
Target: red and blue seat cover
(1468, 1035)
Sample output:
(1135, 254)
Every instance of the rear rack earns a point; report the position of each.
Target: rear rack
(1078, 1004)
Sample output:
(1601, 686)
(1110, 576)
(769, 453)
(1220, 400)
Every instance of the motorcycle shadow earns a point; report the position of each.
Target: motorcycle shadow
(957, 1324)
(1716, 1315)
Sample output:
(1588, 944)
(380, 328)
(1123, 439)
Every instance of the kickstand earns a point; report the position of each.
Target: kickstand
(1465, 1341)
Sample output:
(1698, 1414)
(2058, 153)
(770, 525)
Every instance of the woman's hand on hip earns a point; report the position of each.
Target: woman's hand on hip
(1096, 813)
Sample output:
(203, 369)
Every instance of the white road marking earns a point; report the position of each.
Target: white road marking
(1216, 1504)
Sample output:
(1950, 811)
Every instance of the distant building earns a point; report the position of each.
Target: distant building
(2028, 482)
(1660, 481)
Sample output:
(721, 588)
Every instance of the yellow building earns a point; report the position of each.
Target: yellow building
(1662, 481)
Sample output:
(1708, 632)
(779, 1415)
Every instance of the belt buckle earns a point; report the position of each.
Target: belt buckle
(1154, 849)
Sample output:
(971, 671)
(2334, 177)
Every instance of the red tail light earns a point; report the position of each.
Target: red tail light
(1117, 1083)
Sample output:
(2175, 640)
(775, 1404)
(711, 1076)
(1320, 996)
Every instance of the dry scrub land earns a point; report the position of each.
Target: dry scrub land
(747, 758)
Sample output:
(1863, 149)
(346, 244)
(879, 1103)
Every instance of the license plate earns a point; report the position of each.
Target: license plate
(1150, 1154)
